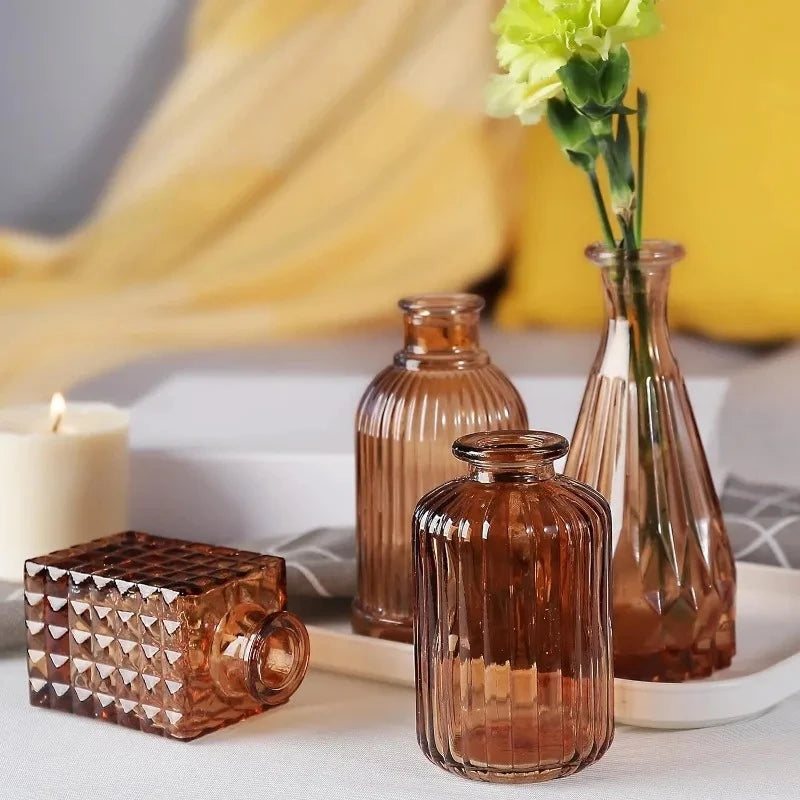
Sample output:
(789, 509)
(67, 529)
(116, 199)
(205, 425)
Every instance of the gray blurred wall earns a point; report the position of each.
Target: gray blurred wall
(77, 78)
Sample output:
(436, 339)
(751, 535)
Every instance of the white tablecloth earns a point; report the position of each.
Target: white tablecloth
(340, 738)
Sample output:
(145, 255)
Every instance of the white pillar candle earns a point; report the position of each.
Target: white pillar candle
(63, 478)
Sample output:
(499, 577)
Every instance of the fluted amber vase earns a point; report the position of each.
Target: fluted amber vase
(636, 441)
(512, 615)
(440, 386)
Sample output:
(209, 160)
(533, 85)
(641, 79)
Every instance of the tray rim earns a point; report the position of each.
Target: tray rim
(723, 697)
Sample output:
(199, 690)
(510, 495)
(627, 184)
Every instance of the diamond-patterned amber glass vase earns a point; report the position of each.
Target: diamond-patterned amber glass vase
(159, 635)
(636, 441)
(441, 386)
(512, 615)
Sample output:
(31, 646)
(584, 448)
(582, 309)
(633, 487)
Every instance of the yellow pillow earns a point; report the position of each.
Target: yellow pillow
(723, 176)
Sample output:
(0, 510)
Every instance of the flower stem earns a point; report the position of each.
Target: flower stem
(628, 237)
(641, 121)
(608, 231)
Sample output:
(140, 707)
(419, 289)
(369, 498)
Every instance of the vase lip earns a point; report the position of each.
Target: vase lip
(653, 253)
(510, 448)
(442, 304)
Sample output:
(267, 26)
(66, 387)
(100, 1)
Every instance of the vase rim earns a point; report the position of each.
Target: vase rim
(653, 253)
(499, 448)
(442, 303)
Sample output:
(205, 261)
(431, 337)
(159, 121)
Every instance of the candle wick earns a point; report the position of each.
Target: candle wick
(57, 408)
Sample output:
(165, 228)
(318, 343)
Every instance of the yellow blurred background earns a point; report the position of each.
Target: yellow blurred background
(312, 161)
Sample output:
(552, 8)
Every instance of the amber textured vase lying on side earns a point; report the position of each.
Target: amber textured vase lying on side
(512, 615)
(440, 387)
(636, 441)
(163, 636)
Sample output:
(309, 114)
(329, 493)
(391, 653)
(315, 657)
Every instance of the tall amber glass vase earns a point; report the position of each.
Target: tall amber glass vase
(636, 441)
(441, 386)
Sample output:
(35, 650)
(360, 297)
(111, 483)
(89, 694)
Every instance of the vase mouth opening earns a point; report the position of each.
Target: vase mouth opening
(495, 449)
(653, 253)
(442, 305)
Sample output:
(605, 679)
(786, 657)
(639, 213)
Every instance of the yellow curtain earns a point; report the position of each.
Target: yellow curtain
(312, 161)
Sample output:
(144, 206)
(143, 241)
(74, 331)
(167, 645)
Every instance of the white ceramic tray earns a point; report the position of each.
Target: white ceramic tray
(766, 669)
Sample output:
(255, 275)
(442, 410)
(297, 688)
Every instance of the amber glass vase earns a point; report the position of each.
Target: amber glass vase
(512, 615)
(636, 441)
(441, 386)
(162, 636)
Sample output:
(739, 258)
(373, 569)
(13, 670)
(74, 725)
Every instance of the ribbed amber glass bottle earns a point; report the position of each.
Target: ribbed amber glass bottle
(440, 386)
(512, 615)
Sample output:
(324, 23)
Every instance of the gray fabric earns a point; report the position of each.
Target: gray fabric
(320, 563)
(763, 523)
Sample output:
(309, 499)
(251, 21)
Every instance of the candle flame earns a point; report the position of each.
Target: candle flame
(58, 405)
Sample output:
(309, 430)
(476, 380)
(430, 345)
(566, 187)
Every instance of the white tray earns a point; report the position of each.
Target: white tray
(765, 671)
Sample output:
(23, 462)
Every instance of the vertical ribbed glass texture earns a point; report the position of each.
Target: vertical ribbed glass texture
(440, 386)
(512, 615)
(636, 441)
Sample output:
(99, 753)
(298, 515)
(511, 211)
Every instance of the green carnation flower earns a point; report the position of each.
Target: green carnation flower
(536, 38)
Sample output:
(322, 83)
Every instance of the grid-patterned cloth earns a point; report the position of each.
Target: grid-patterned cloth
(763, 524)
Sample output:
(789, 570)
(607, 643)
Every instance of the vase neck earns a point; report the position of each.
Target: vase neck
(441, 330)
(511, 456)
(630, 292)
(259, 655)
(636, 293)
(533, 474)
